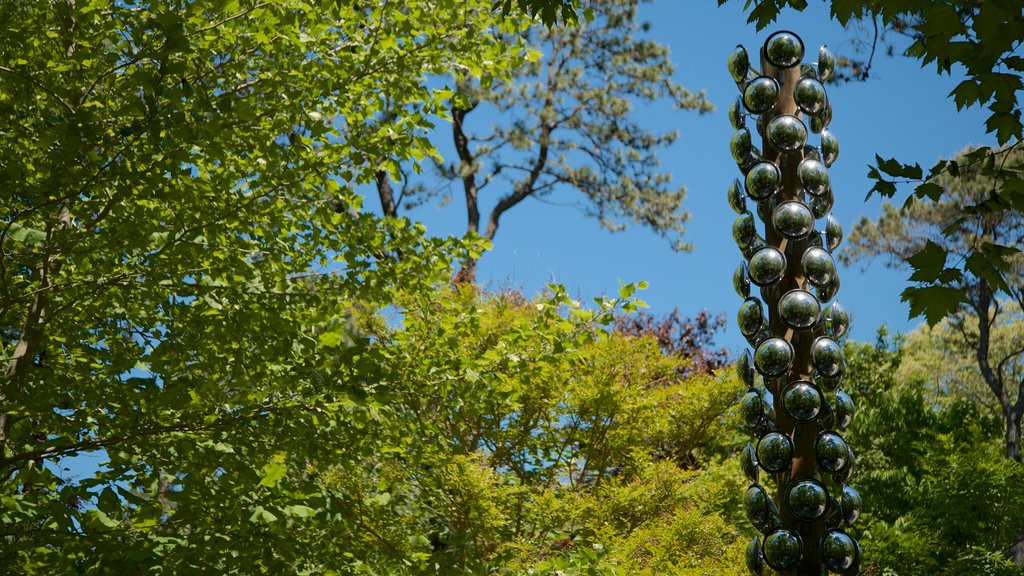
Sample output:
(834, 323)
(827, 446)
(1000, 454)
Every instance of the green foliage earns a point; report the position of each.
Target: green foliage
(570, 130)
(182, 256)
(939, 496)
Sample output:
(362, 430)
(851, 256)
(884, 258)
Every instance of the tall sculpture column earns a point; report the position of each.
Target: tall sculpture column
(795, 406)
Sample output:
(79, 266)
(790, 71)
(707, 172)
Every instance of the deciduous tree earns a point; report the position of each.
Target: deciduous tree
(563, 123)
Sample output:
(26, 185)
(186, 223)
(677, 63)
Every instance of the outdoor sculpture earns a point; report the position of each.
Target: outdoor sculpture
(795, 405)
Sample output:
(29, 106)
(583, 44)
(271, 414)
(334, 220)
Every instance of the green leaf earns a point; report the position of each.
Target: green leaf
(933, 302)
(25, 235)
(274, 470)
(261, 514)
(928, 263)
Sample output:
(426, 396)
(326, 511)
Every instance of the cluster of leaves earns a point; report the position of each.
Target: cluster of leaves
(531, 441)
(940, 498)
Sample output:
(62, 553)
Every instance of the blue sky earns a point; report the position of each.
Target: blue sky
(902, 111)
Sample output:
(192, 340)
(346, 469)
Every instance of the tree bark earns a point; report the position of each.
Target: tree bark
(467, 169)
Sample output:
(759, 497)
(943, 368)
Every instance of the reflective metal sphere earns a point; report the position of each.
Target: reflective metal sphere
(845, 409)
(767, 266)
(813, 176)
(837, 320)
(738, 64)
(850, 503)
(819, 267)
(740, 145)
(793, 219)
(761, 94)
(821, 205)
(755, 563)
(737, 197)
(833, 232)
(745, 368)
(827, 292)
(838, 551)
(843, 475)
(802, 401)
(737, 114)
(828, 383)
(750, 317)
(809, 95)
(782, 549)
(764, 209)
(807, 499)
(826, 63)
(748, 462)
(773, 357)
(820, 121)
(812, 152)
(758, 243)
(831, 451)
(799, 309)
(774, 452)
(752, 409)
(763, 180)
(741, 280)
(827, 356)
(829, 147)
(744, 230)
(787, 133)
(784, 49)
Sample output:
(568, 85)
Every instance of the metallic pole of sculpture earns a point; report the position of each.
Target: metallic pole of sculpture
(795, 405)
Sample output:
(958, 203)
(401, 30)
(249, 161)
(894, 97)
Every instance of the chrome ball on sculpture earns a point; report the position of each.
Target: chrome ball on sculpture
(740, 145)
(761, 94)
(773, 357)
(802, 401)
(774, 452)
(763, 180)
(760, 508)
(829, 147)
(752, 408)
(845, 409)
(837, 320)
(827, 356)
(793, 219)
(809, 95)
(799, 309)
(767, 266)
(787, 133)
(819, 267)
(744, 230)
(737, 114)
(821, 205)
(741, 280)
(748, 462)
(738, 64)
(826, 64)
(755, 562)
(737, 197)
(838, 551)
(820, 121)
(784, 49)
(833, 232)
(807, 499)
(828, 291)
(831, 451)
(813, 176)
(782, 549)
(745, 368)
(850, 504)
(750, 317)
